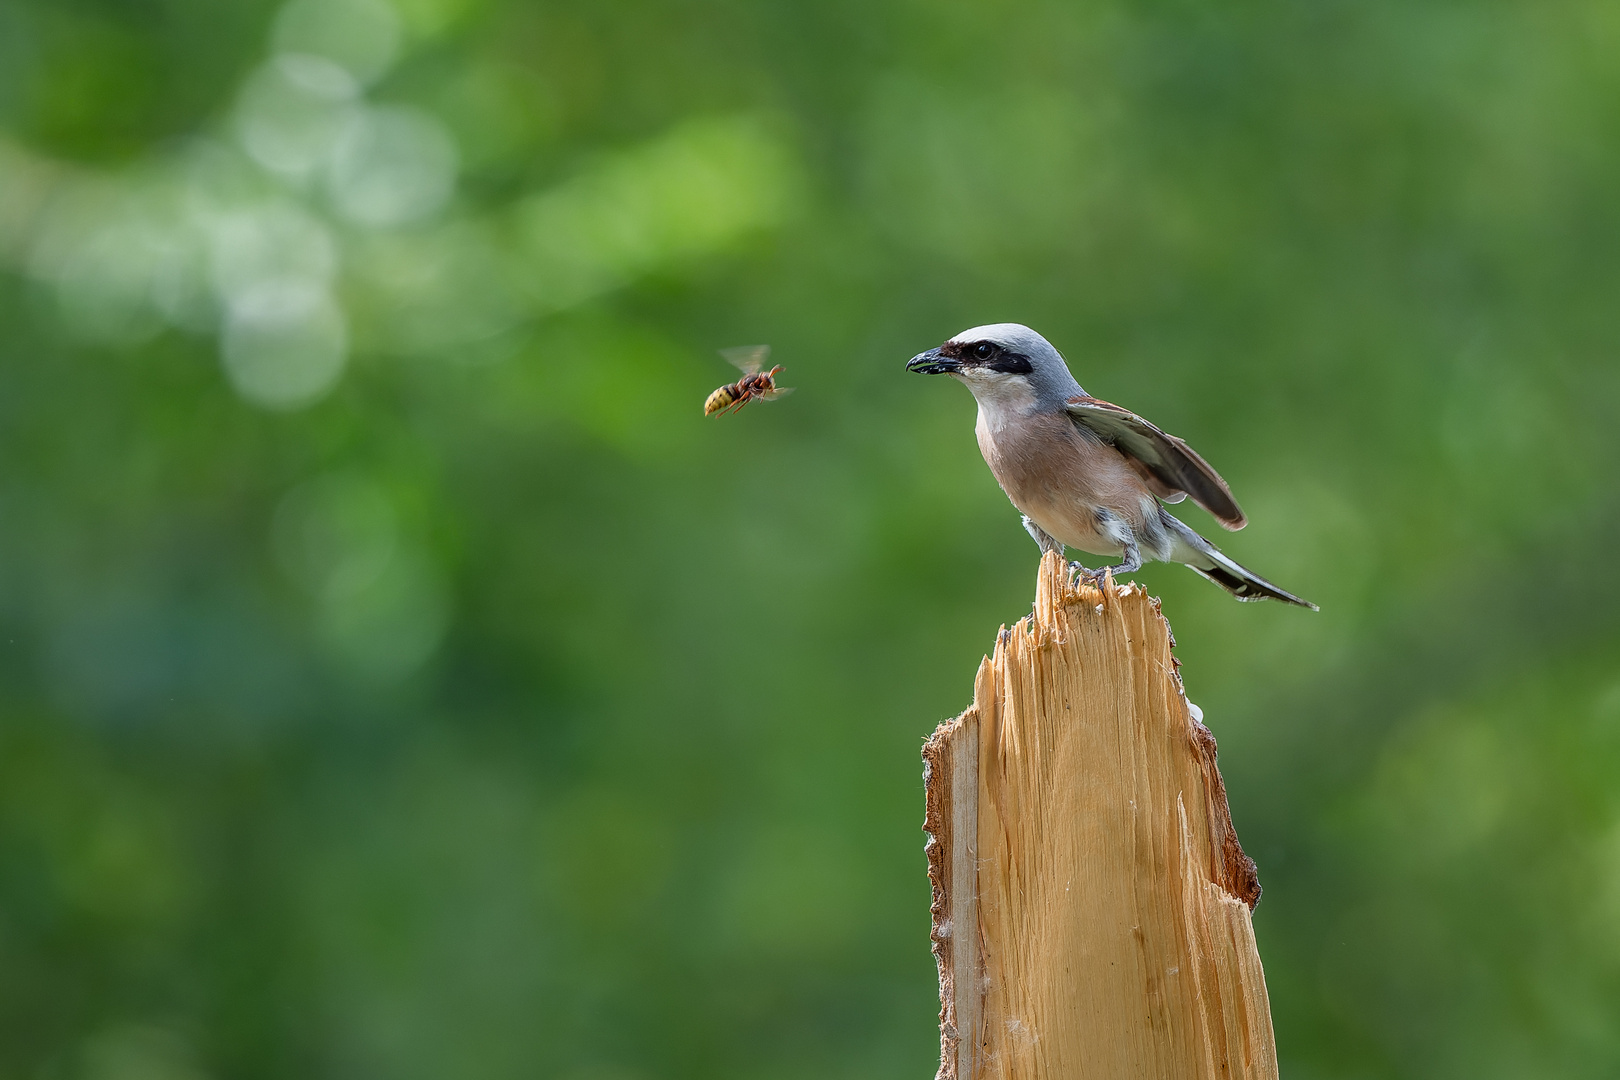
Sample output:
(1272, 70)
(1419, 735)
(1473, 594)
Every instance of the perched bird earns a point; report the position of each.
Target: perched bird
(1084, 473)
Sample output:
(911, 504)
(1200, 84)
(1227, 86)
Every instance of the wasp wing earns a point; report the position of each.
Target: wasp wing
(772, 395)
(747, 358)
(1171, 468)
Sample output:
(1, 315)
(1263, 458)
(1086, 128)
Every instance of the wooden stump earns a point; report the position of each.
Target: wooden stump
(1090, 901)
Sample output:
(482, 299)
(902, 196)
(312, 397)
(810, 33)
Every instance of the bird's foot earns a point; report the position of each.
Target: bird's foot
(1082, 575)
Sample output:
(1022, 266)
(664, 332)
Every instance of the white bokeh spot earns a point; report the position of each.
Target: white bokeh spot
(292, 111)
(391, 166)
(284, 344)
(362, 36)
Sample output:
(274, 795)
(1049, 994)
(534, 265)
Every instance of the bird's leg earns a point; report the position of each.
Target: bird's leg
(1046, 540)
(1131, 563)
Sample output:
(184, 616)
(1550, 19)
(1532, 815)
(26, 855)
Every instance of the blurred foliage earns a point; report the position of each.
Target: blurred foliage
(401, 677)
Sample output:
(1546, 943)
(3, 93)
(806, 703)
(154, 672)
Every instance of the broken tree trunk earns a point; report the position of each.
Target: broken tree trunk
(1091, 902)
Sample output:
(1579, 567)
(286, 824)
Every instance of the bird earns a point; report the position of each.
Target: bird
(1084, 473)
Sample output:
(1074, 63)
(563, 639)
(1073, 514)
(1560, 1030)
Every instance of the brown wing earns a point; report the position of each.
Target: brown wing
(748, 358)
(1169, 466)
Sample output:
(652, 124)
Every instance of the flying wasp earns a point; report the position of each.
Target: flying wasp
(754, 384)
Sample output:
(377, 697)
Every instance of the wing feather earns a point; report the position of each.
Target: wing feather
(1170, 467)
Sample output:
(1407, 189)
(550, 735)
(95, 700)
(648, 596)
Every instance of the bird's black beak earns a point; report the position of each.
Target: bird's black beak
(932, 362)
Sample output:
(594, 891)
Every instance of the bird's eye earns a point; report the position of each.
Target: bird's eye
(984, 350)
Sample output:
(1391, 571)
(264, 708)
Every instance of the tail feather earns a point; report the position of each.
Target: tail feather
(1208, 560)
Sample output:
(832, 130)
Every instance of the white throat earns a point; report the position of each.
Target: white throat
(1003, 399)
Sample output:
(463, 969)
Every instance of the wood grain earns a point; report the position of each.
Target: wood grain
(1091, 904)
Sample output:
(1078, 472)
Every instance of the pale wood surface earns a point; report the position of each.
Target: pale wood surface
(1091, 902)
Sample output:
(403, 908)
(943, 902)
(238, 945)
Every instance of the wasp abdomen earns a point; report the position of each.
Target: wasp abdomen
(720, 399)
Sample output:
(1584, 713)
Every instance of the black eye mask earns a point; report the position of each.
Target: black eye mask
(1010, 363)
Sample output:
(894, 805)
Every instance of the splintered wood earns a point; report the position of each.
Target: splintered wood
(1091, 902)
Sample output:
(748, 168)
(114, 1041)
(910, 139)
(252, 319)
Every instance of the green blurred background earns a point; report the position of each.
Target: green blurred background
(400, 678)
